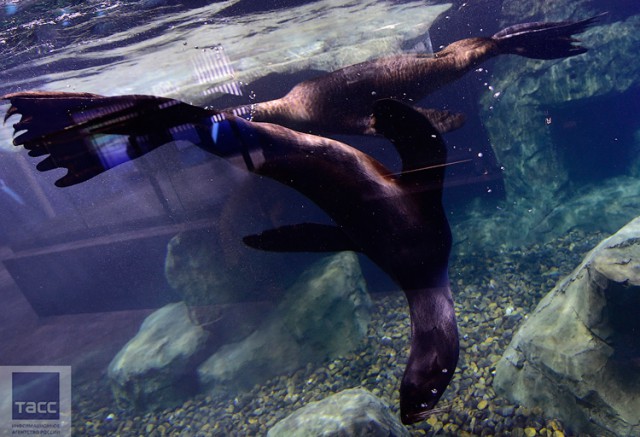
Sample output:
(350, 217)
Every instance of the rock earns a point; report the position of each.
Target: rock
(605, 207)
(157, 367)
(538, 116)
(519, 11)
(352, 412)
(195, 272)
(323, 315)
(576, 357)
(212, 268)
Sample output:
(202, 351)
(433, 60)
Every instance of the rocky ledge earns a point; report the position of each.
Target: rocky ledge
(577, 355)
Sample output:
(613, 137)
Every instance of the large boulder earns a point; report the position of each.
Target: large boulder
(617, 200)
(352, 412)
(545, 124)
(578, 355)
(324, 314)
(156, 368)
(212, 266)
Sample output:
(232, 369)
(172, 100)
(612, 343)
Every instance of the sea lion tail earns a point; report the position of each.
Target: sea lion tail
(544, 40)
(88, 134)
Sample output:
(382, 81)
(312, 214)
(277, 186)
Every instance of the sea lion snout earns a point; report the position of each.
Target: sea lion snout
(423, 384)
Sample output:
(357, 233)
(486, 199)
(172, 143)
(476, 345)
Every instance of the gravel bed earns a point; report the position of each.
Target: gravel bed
(494, 292)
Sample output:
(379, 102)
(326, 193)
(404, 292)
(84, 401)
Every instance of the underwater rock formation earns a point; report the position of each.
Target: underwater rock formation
(156, 368)
(577, 356)
(325, 314)
(616, 199)
(352, 412)
(518, 10)
(210, 267)
(194, 271)
(522, 114)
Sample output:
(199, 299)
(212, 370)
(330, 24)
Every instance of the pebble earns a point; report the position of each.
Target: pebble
(507, 411)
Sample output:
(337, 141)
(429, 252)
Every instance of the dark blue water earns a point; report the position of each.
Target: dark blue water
(84, 266)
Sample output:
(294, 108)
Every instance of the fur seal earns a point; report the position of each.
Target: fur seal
(396, 220)
(340, 102)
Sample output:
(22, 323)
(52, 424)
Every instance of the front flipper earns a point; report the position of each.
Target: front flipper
(88, 134)
(304, 237)
(418, 142)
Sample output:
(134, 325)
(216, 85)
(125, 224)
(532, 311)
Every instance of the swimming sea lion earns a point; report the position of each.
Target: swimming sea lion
(340, 102)
(396, 220)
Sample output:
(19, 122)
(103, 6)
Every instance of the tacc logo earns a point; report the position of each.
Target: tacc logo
(36, 396)
(36, 407)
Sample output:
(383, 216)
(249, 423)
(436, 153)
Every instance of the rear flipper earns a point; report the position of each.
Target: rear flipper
(544, 40)
(89, 134)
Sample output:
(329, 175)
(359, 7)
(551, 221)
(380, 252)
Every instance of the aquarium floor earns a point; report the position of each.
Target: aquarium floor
(494, 292)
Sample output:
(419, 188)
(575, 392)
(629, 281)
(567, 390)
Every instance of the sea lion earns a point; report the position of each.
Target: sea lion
(340, 102)
(396, 220)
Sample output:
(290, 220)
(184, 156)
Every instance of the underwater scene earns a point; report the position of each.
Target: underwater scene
(320, 218)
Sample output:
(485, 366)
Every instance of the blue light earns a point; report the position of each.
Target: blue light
(10, 8)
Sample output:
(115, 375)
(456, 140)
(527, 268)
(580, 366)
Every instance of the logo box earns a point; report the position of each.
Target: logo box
(36, 395)
(35, 400)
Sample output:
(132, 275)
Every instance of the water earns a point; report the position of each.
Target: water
(553, 149)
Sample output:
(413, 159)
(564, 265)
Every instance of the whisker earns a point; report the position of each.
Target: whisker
(430, 167)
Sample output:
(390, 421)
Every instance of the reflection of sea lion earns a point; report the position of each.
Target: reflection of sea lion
(340, 102)
(396, 220)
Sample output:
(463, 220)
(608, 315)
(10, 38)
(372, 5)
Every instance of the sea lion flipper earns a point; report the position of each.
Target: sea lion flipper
(304, 237)
(88, 134)
(544, 40)
(417, 141)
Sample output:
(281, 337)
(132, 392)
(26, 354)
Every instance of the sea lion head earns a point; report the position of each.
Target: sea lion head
(434, 353)
(421, 390)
